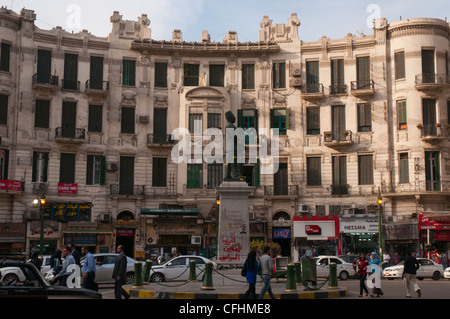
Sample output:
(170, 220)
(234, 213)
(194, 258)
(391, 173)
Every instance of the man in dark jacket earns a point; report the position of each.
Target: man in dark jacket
(119, 274)
(409, 273)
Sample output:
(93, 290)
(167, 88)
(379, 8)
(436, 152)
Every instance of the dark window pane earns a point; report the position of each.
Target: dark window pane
(95, 118)
(191, 74)
(129, 73)
(128, 120)
(42, 114)
(160, 75)
(67, 168)
(279, 75)
(5, 57)
(4, 109)
(216, 75)
(248, 76)
(312, 120)
(159, 171)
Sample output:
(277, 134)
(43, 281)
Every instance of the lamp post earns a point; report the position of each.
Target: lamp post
(380, 202)
(41, 239)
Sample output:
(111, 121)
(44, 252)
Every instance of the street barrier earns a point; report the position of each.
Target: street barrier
(333, 283)
(298, 272)
(192, 275)
(207, 279)
(290, 282)
(148, 267)
(137, 280)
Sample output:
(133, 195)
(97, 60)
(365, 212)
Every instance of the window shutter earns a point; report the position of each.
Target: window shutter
(102, 170)
(45, 173)
(288, 112)
(67, 168)
(4, 109)
(96, 73)
(44, 66)
(6, 165)
(33, 177)
(240, 119)
(89, 168)
(5, 55)
(272, 119)
(257, 174)
(159, 125)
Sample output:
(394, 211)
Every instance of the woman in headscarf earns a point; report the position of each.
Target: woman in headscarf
(374, 260)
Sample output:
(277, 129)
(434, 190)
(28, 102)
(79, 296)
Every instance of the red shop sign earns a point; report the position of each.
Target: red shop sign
(125, 232)
(312, 230)
(8, 185)
(67, 188)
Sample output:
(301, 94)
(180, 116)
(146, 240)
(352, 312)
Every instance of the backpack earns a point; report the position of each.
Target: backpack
(244, 270)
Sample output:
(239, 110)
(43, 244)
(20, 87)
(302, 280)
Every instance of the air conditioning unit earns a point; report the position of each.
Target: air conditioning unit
(303, 208)
(151, 240)
(39, 186)
(112, 166)
(143, 118)
(196, 240)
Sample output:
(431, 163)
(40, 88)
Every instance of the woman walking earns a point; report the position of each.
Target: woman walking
(361, 268)
(252, 266)
(374, 260)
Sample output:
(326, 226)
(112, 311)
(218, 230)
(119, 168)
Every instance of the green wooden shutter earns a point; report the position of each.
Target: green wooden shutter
(102, 170)
(44, 66)
(70, 71)
(89, 168)
(67, 168)
(96, 73)
(34, 171)
(240, 119)
(288, 112)
(160, 125)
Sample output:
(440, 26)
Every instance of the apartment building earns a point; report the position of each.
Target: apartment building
(87, 122)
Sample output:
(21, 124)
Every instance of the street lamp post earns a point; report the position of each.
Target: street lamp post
(380, 202)
(41, 239)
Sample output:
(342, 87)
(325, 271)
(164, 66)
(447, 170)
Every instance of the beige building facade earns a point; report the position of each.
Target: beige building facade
(87, 122)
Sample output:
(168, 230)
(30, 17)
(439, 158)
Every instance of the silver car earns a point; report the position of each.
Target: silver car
(427, 269)
(178, 268)
(343, 269)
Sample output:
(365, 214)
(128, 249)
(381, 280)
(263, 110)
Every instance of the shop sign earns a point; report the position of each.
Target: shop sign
(14, 186)
(67, 188)
(12, 230)
(81, 239)
(442, 235)
(401, 232)
(313, 230)
(359, 226)
(125, 232)
(281, 233)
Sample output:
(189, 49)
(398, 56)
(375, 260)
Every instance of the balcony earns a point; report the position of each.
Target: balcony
(338, 89)
(420, 188)
(339, 189)
(99, 88)
(432, 133)
(127, 190)
(362, 88)
(312, 91)
(335, 139)
(45, 82)
(70, 135)
(431, 82)
(70, 85)
(160, 140)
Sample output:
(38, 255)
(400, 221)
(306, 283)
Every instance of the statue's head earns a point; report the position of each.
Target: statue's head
(230, 117)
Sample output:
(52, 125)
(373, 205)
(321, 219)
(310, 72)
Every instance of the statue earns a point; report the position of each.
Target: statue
(233, 170)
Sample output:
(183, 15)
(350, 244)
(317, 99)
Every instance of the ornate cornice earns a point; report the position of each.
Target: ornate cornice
(418, 29)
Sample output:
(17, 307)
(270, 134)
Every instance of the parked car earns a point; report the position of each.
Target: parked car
(104, 264)
(447, 273)
(31, 284)
(178, 268)
(344, 270)
(349, 258)
(427, 269)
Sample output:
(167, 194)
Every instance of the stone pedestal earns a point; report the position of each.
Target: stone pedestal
(233, 228)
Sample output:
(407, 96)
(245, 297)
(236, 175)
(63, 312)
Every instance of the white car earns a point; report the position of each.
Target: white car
(45, 267)
(427, 269)
(447, 273)
(343, 268)
(11, 275)
(178, 268)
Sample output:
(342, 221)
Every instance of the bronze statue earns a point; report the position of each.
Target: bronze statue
(233, 170)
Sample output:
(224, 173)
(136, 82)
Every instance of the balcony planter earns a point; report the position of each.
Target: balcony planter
(345, 133)
(438, 124)
(419, 126)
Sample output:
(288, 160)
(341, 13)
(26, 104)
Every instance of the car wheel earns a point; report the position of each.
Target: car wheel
(10, 278)
(129, 278)
(343, 275)
(157, 277)
(436, 275)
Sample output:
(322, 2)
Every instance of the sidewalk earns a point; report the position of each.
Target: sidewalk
(231, 287)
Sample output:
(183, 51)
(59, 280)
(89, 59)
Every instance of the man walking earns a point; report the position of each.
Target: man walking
(409, 273)
(88, 271)
(266, 273)
(76, 255)
(64, 274)
(119, 274)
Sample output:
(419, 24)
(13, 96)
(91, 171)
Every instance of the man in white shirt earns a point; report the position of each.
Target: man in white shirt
(386, 258)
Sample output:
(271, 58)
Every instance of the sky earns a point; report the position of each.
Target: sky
(332, 18)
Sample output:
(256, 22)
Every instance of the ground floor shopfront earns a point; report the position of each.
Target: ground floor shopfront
(434, 234)
(359, 234)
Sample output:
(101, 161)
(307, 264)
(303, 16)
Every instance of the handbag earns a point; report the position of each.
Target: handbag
(244, 270)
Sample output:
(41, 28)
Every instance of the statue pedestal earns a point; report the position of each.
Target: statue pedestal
(233, 222)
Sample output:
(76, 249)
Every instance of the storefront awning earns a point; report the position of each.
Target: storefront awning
(86, 231)
(170, 211)
(4, 240)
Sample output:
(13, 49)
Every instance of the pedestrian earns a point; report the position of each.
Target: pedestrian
(88, 271)
(397, 258)
(35, 260)
(266, 265)
(444, 260)
(64, 274)
(386, 259)
(252, 266)
(55, 260)
(119, 274)
(410, 268)
(374, 260)
(76, 255)
(360, 265)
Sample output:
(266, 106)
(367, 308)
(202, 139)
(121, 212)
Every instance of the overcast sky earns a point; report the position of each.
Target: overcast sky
(333, 18)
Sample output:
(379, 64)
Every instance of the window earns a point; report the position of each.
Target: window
(95, 118)
(70, 81)
(40, 167)
(195, 123)
(279, 118)
(429, 117)
(280, 180)
(339, 171)
(365, 169)
(312, 77)
(279, 75)
(401, 115)
(313, 171)
(403, 168)
(159, 171)
(312, 120)
(432, 171)
(126, 175)
(95, 172)
(364, 117)
(4, 161)
(69, 118)
(251, 173)
(194, 175)
(215, 175)
(191, 74)
(338, 122)
(216, 75)
(5, 56)
(67, 168)
(363, 73)
(399, 65)
(129, 73)
(248, 76)
(337, 77)
(4, 109)
(248, 119)
(44, 66)
(128, 120)
(160, 125)
(161, 74)
(428, 70)
(96, 73)
(214, 120)
(42, 114)
(320, 210)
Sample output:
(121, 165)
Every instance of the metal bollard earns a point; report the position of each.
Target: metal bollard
(298, 273)
(332, 282)
(290, 282)
(137, 280)
(309, 271)
(148, 267)
(207, 278)
(192, 274)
